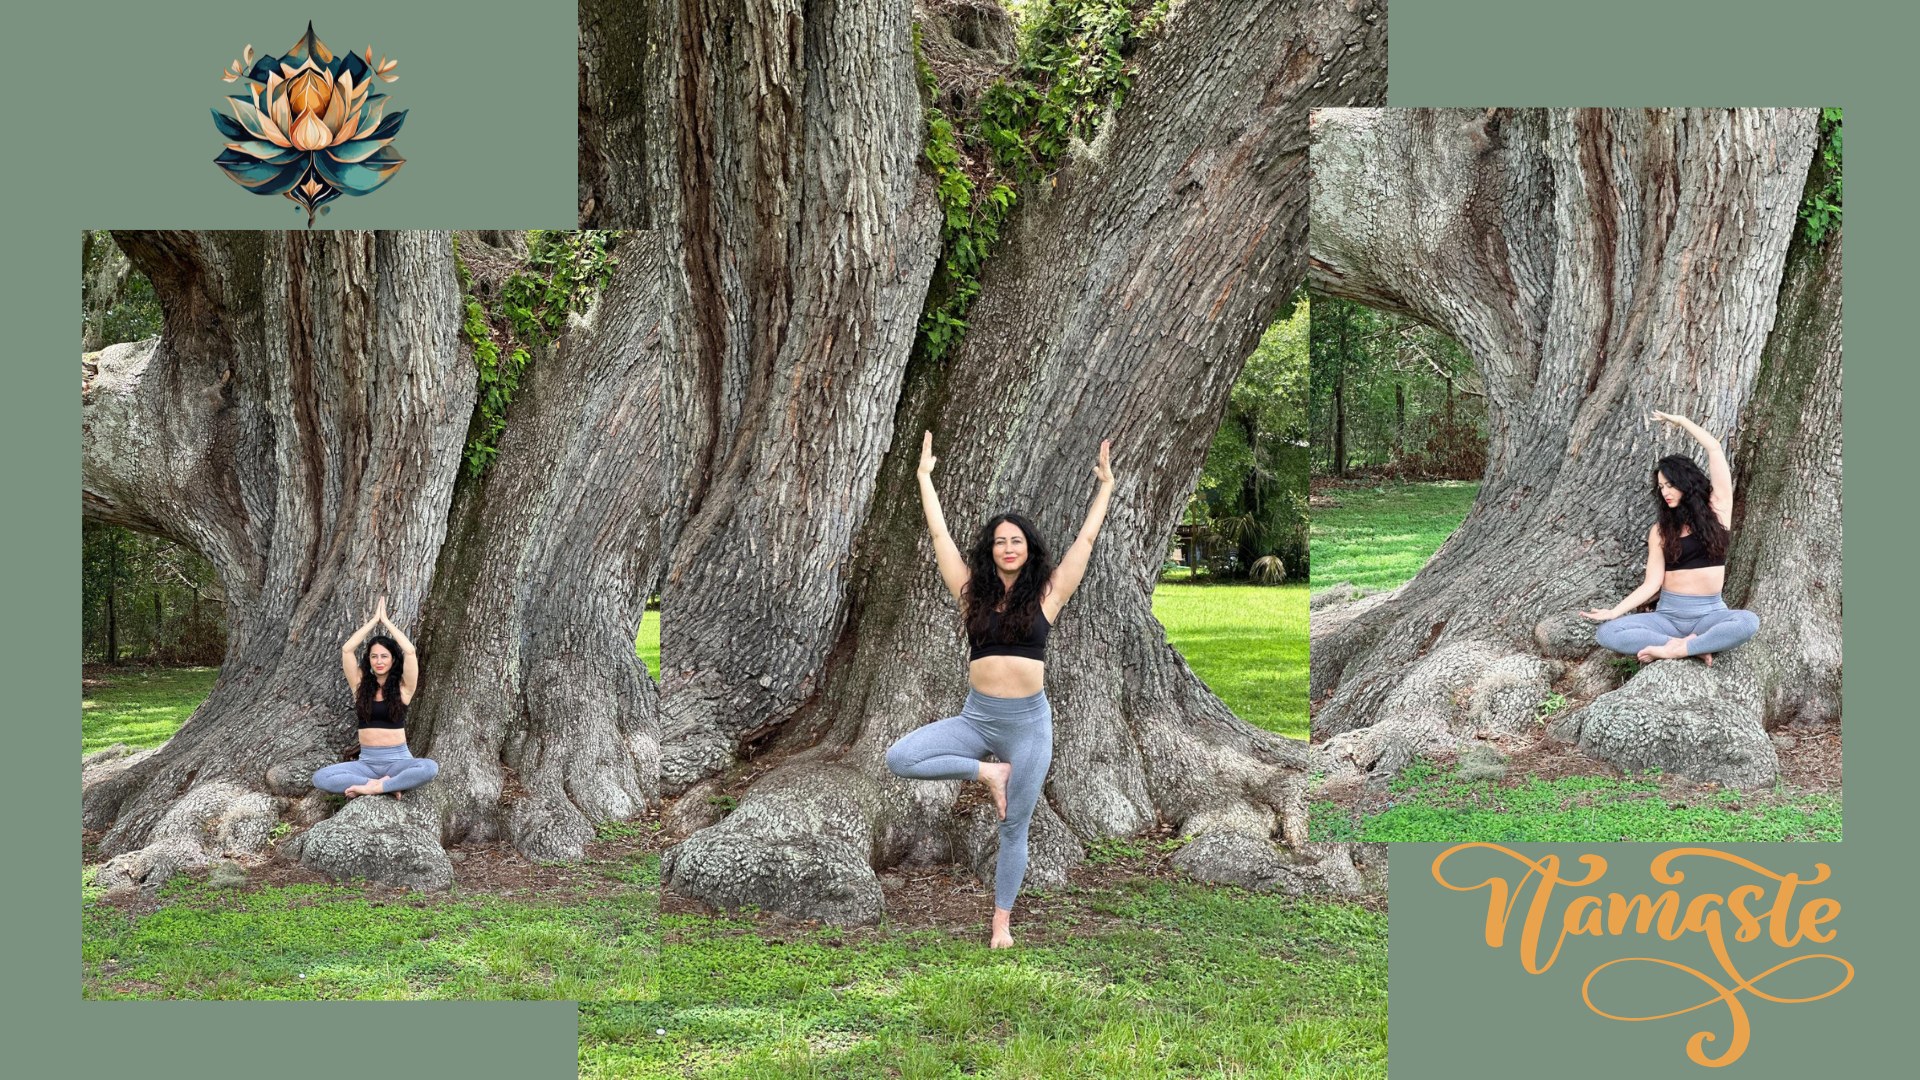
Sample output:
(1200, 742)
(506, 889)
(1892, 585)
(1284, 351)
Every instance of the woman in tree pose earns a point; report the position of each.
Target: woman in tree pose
(1010, 594)
(382, 678)
(1686, 564)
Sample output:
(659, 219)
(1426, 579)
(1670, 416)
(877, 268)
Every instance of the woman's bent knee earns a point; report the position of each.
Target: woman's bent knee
(898, 760)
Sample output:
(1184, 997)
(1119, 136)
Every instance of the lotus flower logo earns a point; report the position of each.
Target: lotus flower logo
(310, 129)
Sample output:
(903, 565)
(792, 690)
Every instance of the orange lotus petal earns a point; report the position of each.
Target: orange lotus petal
(311, 133)
(287, 69)
(335, 115)
(310, 92)
(278, 109)
(229, 76)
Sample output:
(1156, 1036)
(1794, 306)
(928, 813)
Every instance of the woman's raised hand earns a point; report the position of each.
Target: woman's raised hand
(927, 460)
(1103, 469)
(1677, 421)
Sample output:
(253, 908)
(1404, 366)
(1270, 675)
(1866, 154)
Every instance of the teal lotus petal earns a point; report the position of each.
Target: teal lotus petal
(228, 125)
(370, 113)
(260, 177)
(256, 122)
(265, 151)
(359, 178)
(356, 150)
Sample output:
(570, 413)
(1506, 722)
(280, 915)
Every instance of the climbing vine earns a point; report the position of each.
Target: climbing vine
(564, 272)
(1074, 66)
(1820, 207)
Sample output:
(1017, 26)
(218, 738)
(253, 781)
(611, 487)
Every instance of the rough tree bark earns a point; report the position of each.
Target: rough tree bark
(801, 610)
(1598, 265)
(298, 423)
(542, 719)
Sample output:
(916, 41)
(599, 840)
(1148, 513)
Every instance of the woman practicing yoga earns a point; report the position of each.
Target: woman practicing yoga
(382, 678)
(1010, 594)
(1686, 564)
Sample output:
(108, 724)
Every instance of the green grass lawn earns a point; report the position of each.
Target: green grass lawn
(1248, 642)
(1431, 804)
(647, 645)
(328, 941)
(140, 707)
(1180, 980)
(1377, 538)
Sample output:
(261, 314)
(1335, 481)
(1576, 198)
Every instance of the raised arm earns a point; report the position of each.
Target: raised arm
(1649, 586)
(349, 663)
(1718, 471)
(410, 670)
(953, 568)
(1073, 564)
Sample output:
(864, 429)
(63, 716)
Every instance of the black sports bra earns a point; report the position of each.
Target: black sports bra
(1033, 646)
(1693, 555)
(379, 717)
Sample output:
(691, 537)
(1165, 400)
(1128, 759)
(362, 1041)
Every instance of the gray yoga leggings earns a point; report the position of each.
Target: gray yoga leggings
(396, 763)
(1018, 731)
(1677, 615)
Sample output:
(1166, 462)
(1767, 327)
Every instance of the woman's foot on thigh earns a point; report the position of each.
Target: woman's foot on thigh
(995, 775)
(371, 787)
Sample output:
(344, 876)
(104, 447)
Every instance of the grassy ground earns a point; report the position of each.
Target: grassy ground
(648, 644)
(1249, 643)
(1143, 978)
(140, 707)
(1432, 804)
(316, 941)
(1377, 537)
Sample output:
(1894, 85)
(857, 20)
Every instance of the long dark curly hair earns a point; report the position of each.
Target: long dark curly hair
(389, 687)
(985, 592)
(1695, 510)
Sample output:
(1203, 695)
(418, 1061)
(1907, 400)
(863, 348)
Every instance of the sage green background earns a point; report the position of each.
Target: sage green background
(107, 125)
(1459, 1008)
(1454, 1001)
(489, 89)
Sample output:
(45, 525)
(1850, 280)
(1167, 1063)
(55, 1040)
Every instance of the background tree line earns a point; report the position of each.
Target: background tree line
(1390, 394)
(142, 598)
(1251, 502)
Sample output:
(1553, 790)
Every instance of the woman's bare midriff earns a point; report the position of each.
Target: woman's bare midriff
(1699, 581)
(383, 736)
(1007, 676)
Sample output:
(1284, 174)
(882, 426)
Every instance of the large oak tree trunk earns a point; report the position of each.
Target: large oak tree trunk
(802, 611)
(541, 716)
(1598, 265)
(299, 423)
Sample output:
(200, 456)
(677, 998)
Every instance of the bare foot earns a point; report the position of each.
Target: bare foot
(994, 774)
(1002, 936)
(371, 787)
(1674, 649)
(1708, 657)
